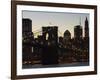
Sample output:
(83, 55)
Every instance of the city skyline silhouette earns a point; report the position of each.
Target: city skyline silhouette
(64, 21)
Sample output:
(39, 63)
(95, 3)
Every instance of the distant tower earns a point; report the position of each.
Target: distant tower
(26, 25)
(78, 32)
(80, 21)
(86, 28)
(27, 34)
(67, 39)
(67, 36)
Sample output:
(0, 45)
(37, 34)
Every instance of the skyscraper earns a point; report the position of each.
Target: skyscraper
(67, 37)
(27, 39)
(78, 32)
(86, 28)
(26, 25)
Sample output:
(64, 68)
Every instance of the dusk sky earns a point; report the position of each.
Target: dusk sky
(64, 21)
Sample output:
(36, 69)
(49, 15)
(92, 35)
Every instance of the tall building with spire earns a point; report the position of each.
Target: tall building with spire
(86, 28)
(78, 31)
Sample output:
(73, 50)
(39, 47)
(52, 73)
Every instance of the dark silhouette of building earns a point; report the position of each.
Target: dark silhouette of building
(78, 43)
(78, 32)
(60, 48)
(26, 25)
(49, 49)
(67, 37)
(60, 42)
(86, 40)
(86, 28)
(27, 37)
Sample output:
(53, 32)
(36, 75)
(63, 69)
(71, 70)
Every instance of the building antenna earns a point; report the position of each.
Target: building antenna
(80, 21)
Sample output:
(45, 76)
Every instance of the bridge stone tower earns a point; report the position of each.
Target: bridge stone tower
(50, 40)
(50, 34)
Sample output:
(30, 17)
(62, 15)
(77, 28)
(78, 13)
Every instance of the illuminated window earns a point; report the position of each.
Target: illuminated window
(47, 36)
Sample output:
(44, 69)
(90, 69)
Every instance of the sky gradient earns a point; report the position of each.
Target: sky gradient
(64, 21)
